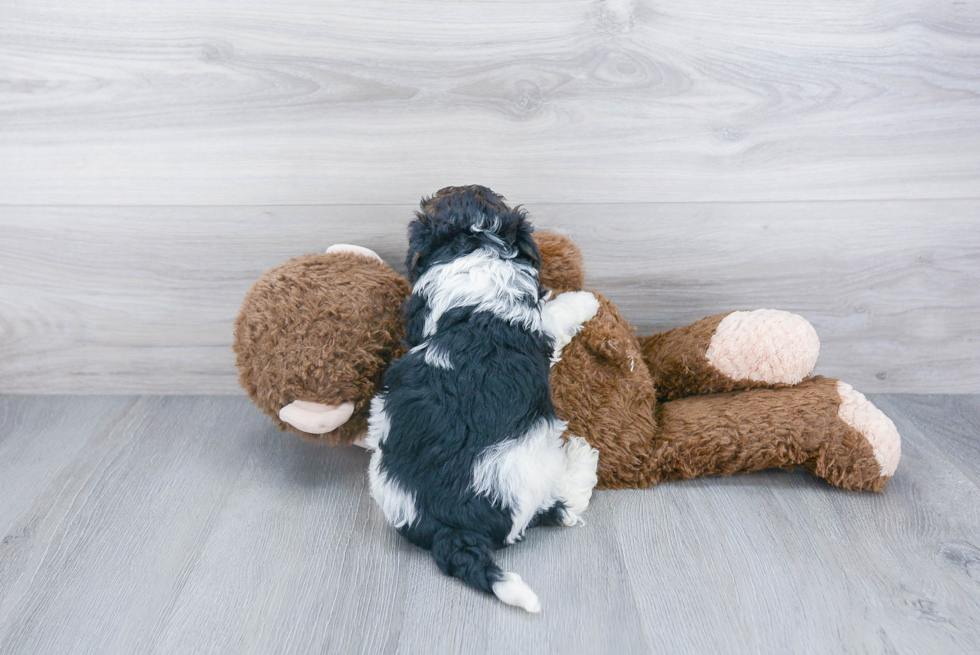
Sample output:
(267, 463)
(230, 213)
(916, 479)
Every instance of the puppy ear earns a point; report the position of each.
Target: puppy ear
(419, 245)
(526, 247)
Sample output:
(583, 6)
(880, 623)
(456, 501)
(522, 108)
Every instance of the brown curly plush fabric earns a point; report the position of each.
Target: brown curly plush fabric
(562, 266)
(323, 328)
(677, 362)
(606, 393)
(320, 328)
(755, 429)
(608, 385)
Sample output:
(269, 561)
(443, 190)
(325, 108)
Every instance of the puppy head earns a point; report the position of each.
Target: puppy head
(459, 220)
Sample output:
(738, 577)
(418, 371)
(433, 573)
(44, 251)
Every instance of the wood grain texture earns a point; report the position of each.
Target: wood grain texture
(189, 524)
(959, 440)
(115, 300)
(219, 103)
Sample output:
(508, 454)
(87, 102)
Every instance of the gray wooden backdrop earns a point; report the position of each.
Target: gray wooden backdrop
(155, 158)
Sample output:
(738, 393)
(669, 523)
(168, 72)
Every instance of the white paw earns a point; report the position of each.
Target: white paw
(581, 463)
(563, 317)
(514, 591)
(765, 345)
(859, 412)
(354, 250)
(315, 418)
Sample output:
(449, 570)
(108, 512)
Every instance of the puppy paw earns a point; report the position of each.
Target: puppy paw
(563, 317)
(581, 463)
(765, 345)
(354, 250)
(858, 412)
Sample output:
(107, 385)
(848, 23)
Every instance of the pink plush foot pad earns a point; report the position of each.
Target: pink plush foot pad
(858, 412)
(765, 345)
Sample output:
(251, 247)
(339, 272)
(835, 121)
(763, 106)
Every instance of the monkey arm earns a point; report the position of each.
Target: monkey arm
(738, 350)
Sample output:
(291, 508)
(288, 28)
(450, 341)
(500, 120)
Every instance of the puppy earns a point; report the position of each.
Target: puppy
(468, 450)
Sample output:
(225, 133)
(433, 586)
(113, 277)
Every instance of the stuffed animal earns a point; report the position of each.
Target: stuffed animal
(314, 337)
(728, 394)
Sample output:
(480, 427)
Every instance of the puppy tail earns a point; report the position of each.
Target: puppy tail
(468, 556)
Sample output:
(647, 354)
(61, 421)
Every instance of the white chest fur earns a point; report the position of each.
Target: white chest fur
(482, 279)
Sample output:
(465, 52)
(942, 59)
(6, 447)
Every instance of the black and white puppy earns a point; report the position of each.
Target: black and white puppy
(468, 450)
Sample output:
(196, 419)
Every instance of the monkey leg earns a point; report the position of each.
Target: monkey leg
(608, 398)
(738, 350)
(822, 425)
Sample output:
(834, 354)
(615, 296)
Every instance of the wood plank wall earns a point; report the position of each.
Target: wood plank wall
(156, 158)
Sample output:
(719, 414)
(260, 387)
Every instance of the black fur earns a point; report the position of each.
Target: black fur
(441, 231)
(443, 420)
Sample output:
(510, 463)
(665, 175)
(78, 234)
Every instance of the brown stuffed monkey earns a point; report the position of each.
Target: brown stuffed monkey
(728, 394)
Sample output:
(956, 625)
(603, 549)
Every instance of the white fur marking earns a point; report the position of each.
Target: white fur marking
(581, 463)
(439, 358)
(490, 230)
(379, 423)
(563, 318)
(397, 504)
(859, 412)
(506, 288)
(766, 345)
(523, 474)
(514, 591)
(533, 472)
(434, 356)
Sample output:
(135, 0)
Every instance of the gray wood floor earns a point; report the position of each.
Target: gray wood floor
(189, 525)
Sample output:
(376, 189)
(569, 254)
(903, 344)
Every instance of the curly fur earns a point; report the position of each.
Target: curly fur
(607, 385)
(320, 328)
(612, 403)
(468, 451)
(562, 265)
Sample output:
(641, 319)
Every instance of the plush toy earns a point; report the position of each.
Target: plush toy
(314, 337)
(729, 394)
